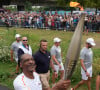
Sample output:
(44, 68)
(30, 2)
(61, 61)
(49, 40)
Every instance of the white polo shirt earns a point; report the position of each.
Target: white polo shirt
(24, 83)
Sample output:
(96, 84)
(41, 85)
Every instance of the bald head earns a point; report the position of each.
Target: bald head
(27, 63)
(25, 56)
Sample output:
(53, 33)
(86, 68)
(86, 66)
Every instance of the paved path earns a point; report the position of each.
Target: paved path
(3, 88)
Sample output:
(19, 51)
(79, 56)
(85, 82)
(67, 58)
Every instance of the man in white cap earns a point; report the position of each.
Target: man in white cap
(14, 49)
(57, 58)
(86, 57)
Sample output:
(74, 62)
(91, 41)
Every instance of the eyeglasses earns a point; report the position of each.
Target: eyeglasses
(24, 40)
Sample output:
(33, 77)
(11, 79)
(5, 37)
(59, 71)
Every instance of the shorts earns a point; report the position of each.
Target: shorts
(16, 60)
(89, 70)
(59, 69)
(45, 77)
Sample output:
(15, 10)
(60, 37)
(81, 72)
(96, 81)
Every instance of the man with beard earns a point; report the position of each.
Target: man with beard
(86, 57)
(30, 80)
(43, 61)
(14, 49)
(56, 54)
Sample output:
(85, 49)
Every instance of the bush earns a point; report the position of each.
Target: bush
(12, 9)
(5, 43)
(4, 75)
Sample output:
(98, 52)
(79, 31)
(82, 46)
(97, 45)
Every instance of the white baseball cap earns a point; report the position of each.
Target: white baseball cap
(91, 41)
(57, 39)
(17, 35)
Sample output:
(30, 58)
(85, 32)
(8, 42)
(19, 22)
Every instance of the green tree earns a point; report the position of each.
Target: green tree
(89, 3)
(28, 6)
(61, 3)
(95, 4)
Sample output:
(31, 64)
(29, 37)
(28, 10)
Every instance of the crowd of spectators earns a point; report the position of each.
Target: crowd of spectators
(49, 21)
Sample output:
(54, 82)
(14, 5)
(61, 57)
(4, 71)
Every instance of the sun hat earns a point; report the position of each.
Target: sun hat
(91, 41)
(17, 35)
(56, 39)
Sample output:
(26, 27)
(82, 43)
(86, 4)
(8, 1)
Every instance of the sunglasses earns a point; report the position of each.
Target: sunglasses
(24, 40)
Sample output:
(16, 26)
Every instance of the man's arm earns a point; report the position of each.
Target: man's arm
(84, 68)
(98, 82)
(20, 52)
(61, 85)
(11, 53)
(52, 65)
(55, 60)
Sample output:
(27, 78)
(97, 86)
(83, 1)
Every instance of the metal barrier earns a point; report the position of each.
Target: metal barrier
(55, 25)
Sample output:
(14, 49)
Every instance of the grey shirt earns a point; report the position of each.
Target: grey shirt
(15, 46)
(57, 52)
(86, 55)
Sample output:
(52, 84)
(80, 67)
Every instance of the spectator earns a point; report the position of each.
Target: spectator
(7, 23)
(86, 22)
(49, 21)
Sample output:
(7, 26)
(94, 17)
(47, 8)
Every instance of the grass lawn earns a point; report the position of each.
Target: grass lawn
(7, 68)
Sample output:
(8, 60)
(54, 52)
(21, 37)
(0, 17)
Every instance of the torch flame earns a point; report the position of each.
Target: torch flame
(76, 4)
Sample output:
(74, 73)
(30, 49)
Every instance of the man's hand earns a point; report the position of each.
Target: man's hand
(62, 85)
(59, 66)
(87, 74)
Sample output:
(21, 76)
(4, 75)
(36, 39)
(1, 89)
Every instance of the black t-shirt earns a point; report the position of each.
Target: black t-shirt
(42, 61)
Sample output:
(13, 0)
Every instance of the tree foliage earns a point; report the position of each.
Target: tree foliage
(28, 6)
(61, 3)
(84, 3)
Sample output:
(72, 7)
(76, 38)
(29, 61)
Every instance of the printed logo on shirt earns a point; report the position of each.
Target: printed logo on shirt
(39, 83)
(48, 56)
